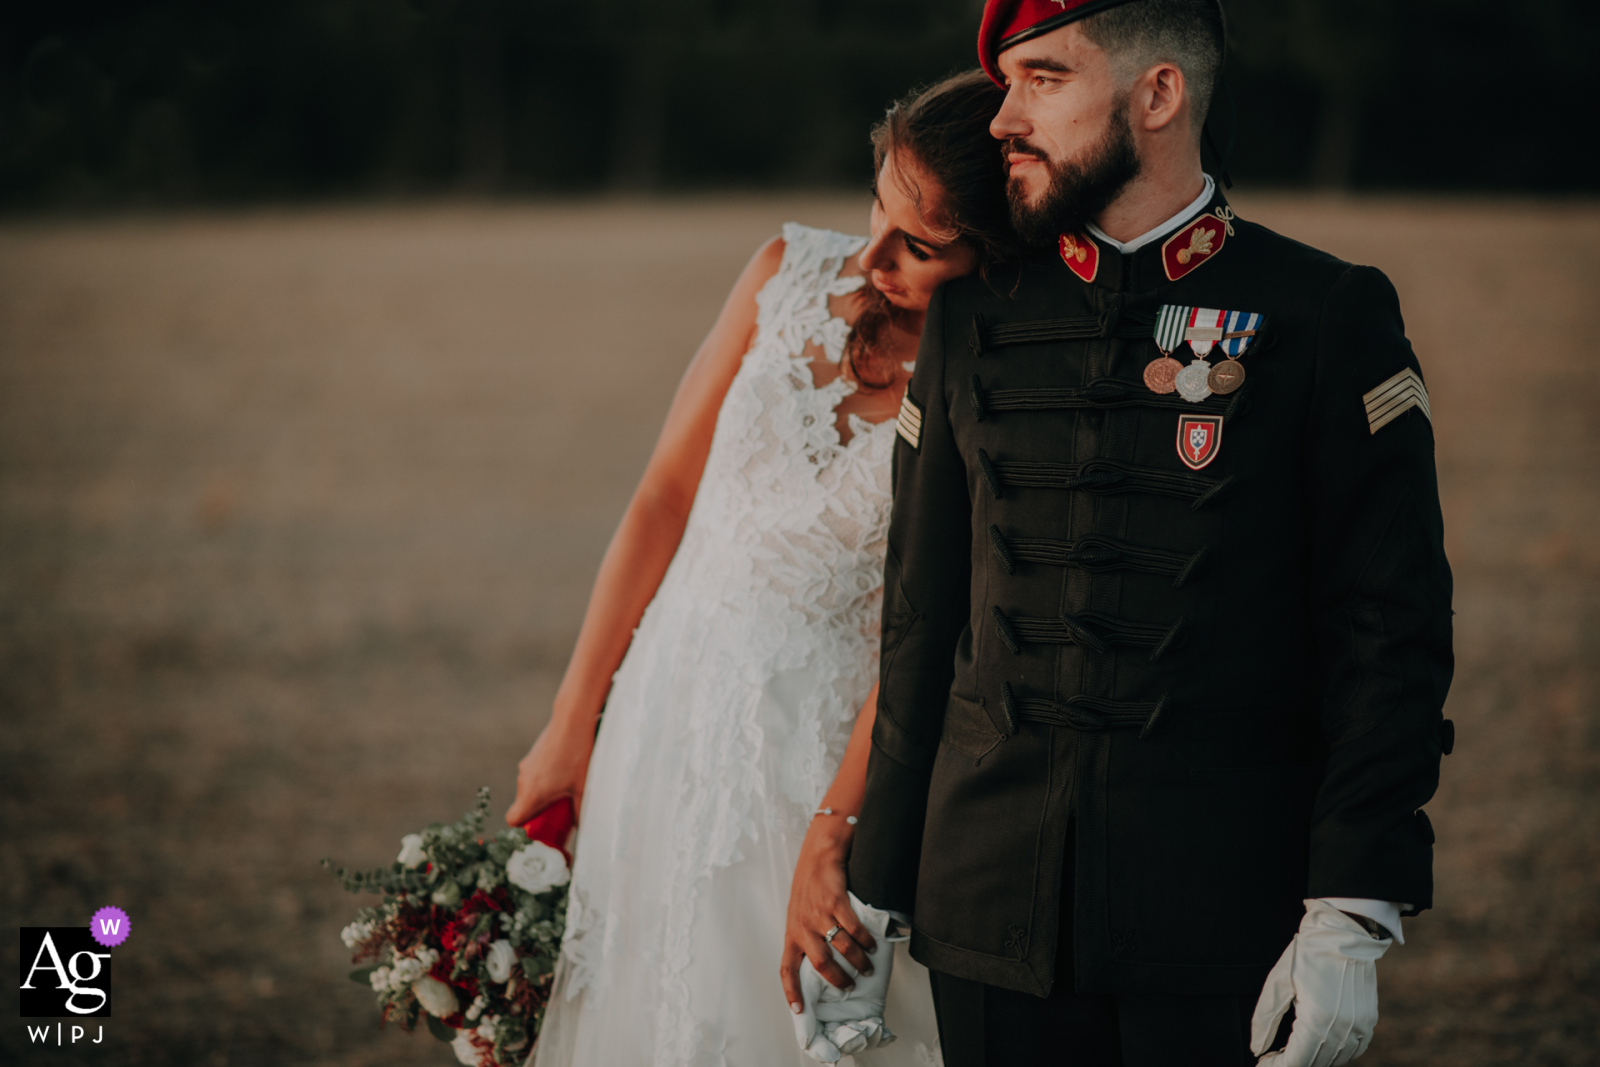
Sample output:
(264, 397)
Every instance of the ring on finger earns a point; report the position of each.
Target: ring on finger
(831, 934)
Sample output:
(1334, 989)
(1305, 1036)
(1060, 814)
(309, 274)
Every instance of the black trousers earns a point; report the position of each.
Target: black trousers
(986, 1026)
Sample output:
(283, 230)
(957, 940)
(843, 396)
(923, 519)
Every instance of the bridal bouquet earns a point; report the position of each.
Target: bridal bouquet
(468, 931)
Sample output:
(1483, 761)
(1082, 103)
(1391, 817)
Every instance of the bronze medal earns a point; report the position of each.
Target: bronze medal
(1226, 377)
(1161, 375)
(1191, 381)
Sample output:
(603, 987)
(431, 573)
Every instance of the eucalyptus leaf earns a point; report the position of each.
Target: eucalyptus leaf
(439, 1030)
(363, 975)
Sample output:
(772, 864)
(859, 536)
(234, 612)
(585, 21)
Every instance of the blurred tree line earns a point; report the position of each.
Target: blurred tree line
(176, 101)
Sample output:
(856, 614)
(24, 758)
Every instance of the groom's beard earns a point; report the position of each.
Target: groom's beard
(1079, 190)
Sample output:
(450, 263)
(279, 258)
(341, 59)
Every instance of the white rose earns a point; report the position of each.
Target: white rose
(502, 957)
(436, 997)
(538, 867)
(356, 933)
(466, 1052)
(411, 854)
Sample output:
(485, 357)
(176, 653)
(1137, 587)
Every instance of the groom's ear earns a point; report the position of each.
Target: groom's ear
(1160, 98)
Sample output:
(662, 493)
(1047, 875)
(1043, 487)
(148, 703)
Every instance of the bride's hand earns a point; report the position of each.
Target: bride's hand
(555, 767)
(819, 900)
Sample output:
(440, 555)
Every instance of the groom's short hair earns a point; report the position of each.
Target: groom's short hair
(1188, 33)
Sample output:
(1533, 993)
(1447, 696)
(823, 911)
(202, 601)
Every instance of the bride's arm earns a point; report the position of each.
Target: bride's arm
(641, 550)
(818, 895)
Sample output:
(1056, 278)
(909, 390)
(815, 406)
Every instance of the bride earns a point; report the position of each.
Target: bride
(733, 629)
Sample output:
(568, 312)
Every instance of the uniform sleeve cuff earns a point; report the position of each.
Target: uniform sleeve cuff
(1383, 912)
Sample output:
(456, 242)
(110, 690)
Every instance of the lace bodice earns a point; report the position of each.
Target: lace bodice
(783, 553)
(732, 710)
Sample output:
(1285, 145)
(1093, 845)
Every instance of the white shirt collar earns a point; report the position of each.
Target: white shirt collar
(1160, 231)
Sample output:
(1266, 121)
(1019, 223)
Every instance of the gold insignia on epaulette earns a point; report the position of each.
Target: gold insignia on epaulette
(1394, 398)
(909, 423)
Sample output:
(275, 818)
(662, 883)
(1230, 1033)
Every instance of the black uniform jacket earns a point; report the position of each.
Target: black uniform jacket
(1221, 684)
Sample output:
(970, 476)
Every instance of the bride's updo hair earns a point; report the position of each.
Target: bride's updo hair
(942, 133)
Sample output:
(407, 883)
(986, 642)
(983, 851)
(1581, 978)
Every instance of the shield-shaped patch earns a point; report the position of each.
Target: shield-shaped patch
(1199, 438)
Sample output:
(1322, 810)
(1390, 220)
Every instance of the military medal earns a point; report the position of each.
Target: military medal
(1239, 330)
(1161, 374)
(1203, 330)
(1225, 377)
(1193, 381)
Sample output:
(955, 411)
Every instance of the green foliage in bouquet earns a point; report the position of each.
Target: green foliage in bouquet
(466, 935)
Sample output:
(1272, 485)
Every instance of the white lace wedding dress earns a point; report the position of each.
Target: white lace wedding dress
(728, 718)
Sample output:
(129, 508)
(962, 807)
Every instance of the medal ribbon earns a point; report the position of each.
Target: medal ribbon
(1241, 330)
(1205, 329)
(1170, 323)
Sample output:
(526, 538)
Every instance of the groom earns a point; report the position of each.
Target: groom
(1167, 614)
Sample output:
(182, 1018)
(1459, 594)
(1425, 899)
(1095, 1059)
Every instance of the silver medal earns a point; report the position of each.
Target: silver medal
(1192, 383)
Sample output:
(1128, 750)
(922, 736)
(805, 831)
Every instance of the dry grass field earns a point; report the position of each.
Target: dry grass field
(298, 512)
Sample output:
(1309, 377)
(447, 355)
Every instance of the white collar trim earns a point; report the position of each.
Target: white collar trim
(1160, 231)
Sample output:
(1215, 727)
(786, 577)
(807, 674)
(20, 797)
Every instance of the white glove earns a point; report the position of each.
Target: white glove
(1329, 973)
(835, 1022)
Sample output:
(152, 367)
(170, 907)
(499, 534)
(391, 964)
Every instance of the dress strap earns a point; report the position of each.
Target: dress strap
(792, 308)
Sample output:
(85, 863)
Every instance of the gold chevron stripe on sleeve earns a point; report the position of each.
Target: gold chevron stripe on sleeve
(909, 424)
(1394, 398)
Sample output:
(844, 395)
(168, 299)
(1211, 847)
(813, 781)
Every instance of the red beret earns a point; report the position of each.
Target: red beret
(1009, 22)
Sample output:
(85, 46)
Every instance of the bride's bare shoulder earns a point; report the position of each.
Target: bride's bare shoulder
(735, 328)
(741, 308)
(768, 258)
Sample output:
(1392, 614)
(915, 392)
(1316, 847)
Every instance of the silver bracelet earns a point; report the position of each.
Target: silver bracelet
(851, 819)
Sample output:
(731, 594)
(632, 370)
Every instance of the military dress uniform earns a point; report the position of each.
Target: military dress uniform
(1156, 665)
